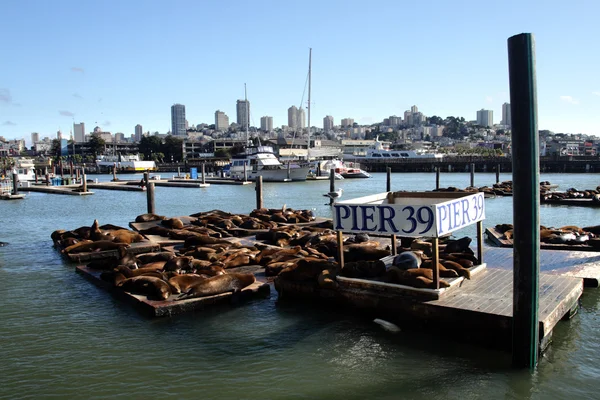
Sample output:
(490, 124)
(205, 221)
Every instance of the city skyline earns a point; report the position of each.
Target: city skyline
(115, 78)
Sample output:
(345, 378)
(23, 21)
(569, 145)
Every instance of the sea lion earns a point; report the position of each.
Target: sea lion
(307, 269)
(218, 284)
(408, 260)
(156, 230)
(363, 269)
(172, 223)
(327, 279)
(182, 283)
(364, 253)
(148, 217)
(199, 240)
(457, 245)
(154, 288)
(462, 271)
(443, 271)
(210, 270)
(96, 234)
(414, 277)
(100, 245)
(126, 236)
(157, 256)
(129, 273)
(180, 263)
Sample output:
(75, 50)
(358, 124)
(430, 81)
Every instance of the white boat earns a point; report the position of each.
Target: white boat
(25, 168)
(377, 152)
(129, 163)
(262, 161)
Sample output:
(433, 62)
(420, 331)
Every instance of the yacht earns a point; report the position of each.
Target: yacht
(25, 169)
(130, 163)
(378, 152)
(261, 161)
(341, 169)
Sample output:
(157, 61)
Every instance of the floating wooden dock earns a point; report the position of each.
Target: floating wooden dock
(478, 310)
(119, 185)
(10, 196)
(70, 190)
(498, 239)
(571, 202)
(134, 248)
(171, 306)
(578, 264)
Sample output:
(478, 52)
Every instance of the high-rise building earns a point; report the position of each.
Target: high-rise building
(347, 122)
(506, 114)
(266, 124)
(293, 117)
(59, 135)
(243, 113)
(328, 123)
(414, 109)
(394, 121)
(178, 120)
(485, 118)
(79, 130)
(35, 137)
(221, 121)
(119, 137)
(138, 133)
(301, 118)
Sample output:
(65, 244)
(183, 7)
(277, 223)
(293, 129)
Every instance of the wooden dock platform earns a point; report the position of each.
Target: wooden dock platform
(119, 185)
(134, 248)
(10, 196)
(479, 310)
(571, 202)
(498, 239)
(154, 308)
(69, 190)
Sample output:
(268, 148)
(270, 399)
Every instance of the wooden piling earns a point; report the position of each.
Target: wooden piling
(150, 197)
(15, 179)
(437, 178)
(331, 184)
(497, 173)
(84, 180)
(115, 173)
(245, 172)
(388, 187)
(47, 178)
(472, 174)
(259, 191)
(203, 173)
(526, 200)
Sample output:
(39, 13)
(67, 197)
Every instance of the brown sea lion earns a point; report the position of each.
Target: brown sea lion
(172, 223)
(154, 264)
(363, 269)
(307, 269)
(327, 279)
(210, 270)
(182, 282)
(157, 256)
(126, 236)
(180, 263)
(415, 278)
(365, 253)
(148, 217)
(218, 284)
(154, 288)
(462, 271)
(129, 273)
(199, 240)
(99, 245)
(443, 271)
(97, 234)
(156, 230)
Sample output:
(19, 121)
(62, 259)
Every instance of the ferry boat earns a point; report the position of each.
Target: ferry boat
(262, 161)
(129, 163)
(378, 152)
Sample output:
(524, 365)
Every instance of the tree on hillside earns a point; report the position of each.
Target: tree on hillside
(55, 149)
(150, 145)
(97, 145)
(173, 148)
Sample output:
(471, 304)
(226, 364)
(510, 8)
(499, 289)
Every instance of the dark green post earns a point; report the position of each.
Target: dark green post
(331, 184)
(389, 180)
(526, 199)
(259, 192)
(497, 173)
(472, 175)
(437, 178)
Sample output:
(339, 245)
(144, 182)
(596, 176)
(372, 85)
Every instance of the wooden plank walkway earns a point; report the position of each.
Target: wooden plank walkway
(578, 264)
(63, 189)
(121, 185)
(498, 239)
(571, 202)
(478, 310)
(171, 306)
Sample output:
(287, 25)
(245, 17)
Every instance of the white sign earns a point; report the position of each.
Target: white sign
(430, 220)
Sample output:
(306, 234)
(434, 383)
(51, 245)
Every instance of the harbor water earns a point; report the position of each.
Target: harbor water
(62, 337)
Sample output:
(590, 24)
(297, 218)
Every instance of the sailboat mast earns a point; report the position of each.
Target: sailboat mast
(247, 112)
(309, 78)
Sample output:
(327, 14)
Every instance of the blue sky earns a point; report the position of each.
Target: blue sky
(116, 64)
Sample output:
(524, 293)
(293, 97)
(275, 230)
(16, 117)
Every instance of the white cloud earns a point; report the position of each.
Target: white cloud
(66, 113)
(9, 123)
(597, 93)
(569, 99)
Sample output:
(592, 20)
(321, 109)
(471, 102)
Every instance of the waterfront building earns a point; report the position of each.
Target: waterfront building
(485, 118)
(178, 122)
(221, 121)
(79, 130)
(347, 122)
(243, 113)
(138, 133)
(506, 115)
(266, 124)
(35, 137)
(328, 123)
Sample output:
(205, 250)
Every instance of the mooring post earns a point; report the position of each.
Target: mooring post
(472, 174)
(340, 245)
(388, 187)
(203, 173)
(150, 197)
(36, 175)
(437, 178)
(245, 172)
(114, 173)
(47, 179)
(259, 193)
(526, 200)
(84, 181)
(15, 179)
(71, 168)
(289, 171)
(435, 247)
(331, 184)
(498, 173)
(179, 172)
(61, 170)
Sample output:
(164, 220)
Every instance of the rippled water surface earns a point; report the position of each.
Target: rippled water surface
(63, 337)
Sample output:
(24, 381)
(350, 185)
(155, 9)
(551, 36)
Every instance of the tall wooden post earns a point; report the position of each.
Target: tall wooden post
(526, 200)
(289, 170)
(497, 173)
(150, 197)
(15, 179)
(245, 172)
(71, 168)
(331, 184)
(84, 181)
(114, 173)
(259, 192)
(47, 178)
(472, 174)
(388, 186)
(437, 178)
(203, 173)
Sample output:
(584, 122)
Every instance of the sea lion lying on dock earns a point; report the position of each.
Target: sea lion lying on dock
(408, 260)
(218, 284)
(149, 217)
(416, 277)
(363, 269)
(153, 287)
(307, 269)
